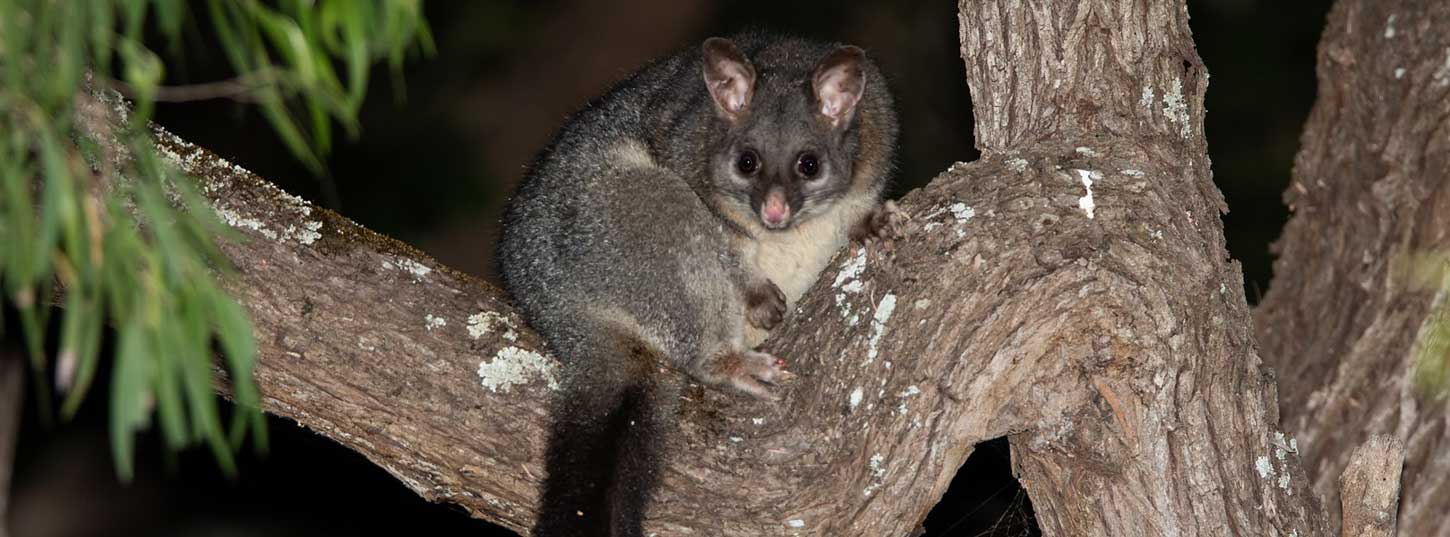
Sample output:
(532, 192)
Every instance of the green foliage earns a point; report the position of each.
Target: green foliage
(1431, 272)
(289, 51)
(95, 219)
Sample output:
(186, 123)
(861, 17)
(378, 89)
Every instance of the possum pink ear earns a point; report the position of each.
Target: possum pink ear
(729, 76)
(838, 83)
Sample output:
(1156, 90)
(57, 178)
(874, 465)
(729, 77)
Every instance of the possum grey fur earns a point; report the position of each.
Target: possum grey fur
(638, 248)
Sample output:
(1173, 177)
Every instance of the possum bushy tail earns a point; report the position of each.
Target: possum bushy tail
(603, 457)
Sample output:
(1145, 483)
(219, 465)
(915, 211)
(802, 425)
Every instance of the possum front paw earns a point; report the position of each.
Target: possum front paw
(764, 305)
(883, 224)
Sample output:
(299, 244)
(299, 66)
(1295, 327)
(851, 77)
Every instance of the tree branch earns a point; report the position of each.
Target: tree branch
(1371, 488)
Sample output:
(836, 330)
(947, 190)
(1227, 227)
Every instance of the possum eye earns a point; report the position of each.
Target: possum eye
(807, 165)
(747, 162)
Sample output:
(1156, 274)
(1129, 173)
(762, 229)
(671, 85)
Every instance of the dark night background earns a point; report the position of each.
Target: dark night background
(433, 167)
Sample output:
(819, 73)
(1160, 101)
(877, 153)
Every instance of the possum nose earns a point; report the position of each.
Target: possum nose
(775, 211)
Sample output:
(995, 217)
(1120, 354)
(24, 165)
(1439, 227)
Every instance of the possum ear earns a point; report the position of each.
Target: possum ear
(838, 83)
(729, 76)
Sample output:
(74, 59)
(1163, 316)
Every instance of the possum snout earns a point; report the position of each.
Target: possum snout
(775, 211)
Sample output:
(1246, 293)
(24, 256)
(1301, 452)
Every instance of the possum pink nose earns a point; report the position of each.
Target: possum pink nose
(776, 211)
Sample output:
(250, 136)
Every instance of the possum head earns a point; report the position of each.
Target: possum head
(786, 153)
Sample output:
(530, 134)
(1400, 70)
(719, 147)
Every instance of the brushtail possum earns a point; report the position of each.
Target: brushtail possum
(667, 228)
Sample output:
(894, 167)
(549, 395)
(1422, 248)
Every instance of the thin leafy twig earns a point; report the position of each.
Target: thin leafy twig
(241, 89)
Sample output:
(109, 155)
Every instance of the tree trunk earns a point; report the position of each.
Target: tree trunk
(1070, 290)
(1371, 187)
(1120, 289)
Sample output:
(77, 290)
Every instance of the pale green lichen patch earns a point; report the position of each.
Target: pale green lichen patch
(430, 322)
(1264, 467)
(877, 467)
(909, 392)
(241, 222)
(1284, 445)
(417, 270)
(848, 281)
(293, 223)
(852, 269)
(1175, 108)
(961, 213)
(884, 309)
(486, 322)
(1086, 202)
(512, 365)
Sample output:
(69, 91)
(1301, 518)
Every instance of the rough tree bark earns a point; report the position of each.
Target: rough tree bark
(1070, 290)
(1371, 185)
